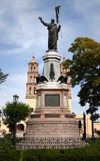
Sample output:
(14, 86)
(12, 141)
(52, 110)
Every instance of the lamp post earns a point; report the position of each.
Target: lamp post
(79, 126)
(84, 125)
(15, 100)
(92, 127)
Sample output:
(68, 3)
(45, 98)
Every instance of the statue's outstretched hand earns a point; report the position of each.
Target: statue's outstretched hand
(40, 18)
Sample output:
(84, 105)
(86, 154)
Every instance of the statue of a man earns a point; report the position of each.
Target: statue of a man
(52, 34)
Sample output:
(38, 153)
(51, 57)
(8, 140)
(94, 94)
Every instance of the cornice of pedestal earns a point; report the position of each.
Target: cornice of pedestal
(52, 85)
(51, 54)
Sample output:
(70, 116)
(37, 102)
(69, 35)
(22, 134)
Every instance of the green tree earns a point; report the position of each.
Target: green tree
(84, 69)
(2, 76)
(21, 112)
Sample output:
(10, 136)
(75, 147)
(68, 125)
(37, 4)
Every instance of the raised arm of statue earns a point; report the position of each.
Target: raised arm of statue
(45, 24)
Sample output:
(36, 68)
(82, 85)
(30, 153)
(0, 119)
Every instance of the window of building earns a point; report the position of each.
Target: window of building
(35, 92)
(34, 68)
(31, 69)
(30, 91)
(30, 79)
(20, 127)
(31, 109)
(34, 79)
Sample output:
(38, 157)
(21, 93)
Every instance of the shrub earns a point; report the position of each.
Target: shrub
(83, 154)
(9, 155)
(6, 143)
(91, 152)
(28, 155)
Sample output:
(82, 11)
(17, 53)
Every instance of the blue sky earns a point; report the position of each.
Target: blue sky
(22, 36)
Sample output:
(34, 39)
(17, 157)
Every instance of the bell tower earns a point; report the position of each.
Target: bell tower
(31, 83)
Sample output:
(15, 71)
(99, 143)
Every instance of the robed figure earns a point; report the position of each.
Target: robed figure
(53, 30)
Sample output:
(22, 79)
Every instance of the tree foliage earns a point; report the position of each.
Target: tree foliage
(21, 112)
(2, 76)
(84, 69)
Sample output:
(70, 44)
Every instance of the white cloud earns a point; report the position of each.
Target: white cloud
(27, 28)
(24, 30)
(90, 10)
(85, 5)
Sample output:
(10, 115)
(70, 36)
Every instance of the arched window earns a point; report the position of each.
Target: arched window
(30, 91)
(34, 68)
(35, 90)
(34, 79)
(31, 69)
(20, 127)
(31, 109)
(30, 79)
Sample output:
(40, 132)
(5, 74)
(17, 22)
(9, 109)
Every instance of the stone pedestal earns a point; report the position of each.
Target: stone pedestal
(52, 119)
(51, 100)
(51, 57)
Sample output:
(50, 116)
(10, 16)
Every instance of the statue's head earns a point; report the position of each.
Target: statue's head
(52, 21)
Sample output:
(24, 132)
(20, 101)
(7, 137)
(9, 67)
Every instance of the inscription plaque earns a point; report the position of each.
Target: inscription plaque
(52, 100)
(52, 116)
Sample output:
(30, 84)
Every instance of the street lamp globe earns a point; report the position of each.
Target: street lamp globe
(15, 98)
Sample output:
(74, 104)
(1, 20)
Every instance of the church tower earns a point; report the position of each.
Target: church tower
(63, 72)
(31, 83)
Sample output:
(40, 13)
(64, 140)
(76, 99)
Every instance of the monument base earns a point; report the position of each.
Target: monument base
(52, 117)
(52, 125)
(46, 131)
(50, 143)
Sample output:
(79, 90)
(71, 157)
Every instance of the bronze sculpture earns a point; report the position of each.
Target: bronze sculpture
(52, 34)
